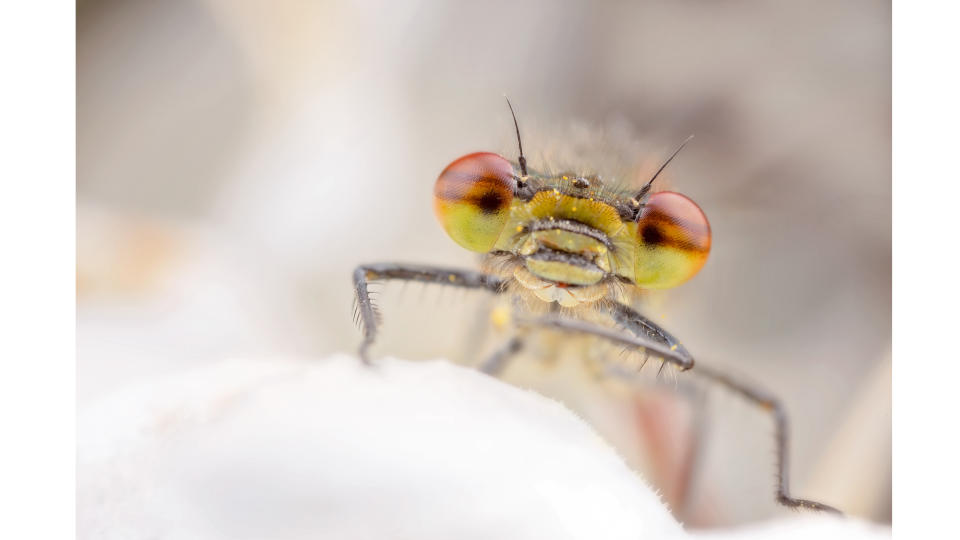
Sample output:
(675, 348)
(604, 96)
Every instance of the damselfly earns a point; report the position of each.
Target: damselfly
(572, 251)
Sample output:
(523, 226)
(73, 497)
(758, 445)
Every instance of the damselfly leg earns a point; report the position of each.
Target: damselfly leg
(644, 335)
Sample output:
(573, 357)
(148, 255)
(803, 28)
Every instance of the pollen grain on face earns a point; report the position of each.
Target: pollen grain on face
(500, 317)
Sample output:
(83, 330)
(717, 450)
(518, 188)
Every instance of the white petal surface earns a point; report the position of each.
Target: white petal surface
(290, 449)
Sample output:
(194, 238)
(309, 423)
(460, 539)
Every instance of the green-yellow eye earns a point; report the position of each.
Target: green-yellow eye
(472, 199)
(673, 241)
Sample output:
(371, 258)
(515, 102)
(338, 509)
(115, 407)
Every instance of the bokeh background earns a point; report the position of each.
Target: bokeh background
(236, 160)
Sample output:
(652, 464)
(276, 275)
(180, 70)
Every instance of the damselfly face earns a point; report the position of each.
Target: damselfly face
(570, 239)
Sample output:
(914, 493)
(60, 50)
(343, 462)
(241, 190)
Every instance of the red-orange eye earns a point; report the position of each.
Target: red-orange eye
(472, 199)
(673, 241)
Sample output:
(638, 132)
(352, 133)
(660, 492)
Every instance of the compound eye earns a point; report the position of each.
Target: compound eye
(673, 241)
(472, 199)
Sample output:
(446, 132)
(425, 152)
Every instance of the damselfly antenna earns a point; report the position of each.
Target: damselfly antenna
(522, 160)
(646, 187)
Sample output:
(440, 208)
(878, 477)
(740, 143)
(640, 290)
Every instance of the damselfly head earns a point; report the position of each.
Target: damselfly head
(571, 238)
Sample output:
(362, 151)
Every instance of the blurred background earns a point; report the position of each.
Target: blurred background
(236, 160)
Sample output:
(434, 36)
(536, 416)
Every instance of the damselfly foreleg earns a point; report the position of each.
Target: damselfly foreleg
(642, 326)
(364, 274)
(772, 405)
(638, 342)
